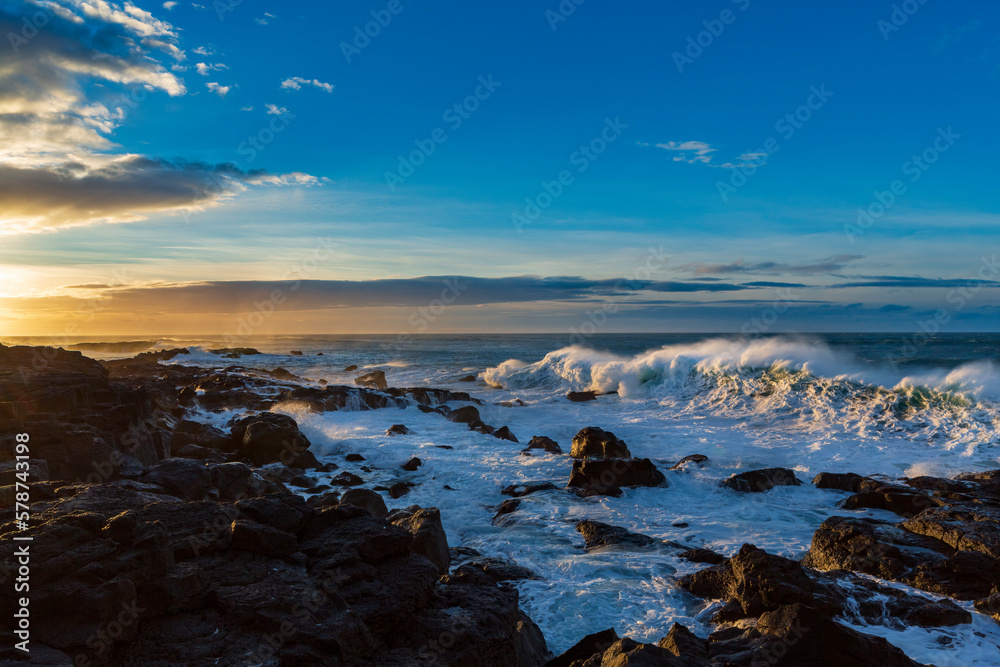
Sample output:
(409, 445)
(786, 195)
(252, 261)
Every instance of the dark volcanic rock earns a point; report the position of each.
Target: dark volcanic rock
(841, 481)
(353, 457)
(521, 490)
(503, 433)
(398, 429)
(429, 539)
(703, 556)
(412, 464)
(465, 415)
(351, 368)
(366, 499)
(606, 477)
(347, 479)
(597, 534)
(398, 490)
(757, 481)
(183, 478)
(842, 543)
(374, 379)
(589, 646)
(593, 442)
(544, 443)
(699, 460)
(581, 396)
(202, 435)
(269, 437)
(122, 578)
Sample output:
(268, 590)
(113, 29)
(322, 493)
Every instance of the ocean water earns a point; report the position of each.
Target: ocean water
(871, 404)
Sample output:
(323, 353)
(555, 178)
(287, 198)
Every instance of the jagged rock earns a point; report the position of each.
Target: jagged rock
(843, 543)
(544, 443)
(269, 437)
(366, 499)
(899, 500)
(412, 464)
(757, 481)
(350, 369)
(257, 538)
(506, 507)
(593, 442)
(586, 648)
(685, 645)
(202, 435)
(607, 476)
(428, 534)
(503, 433)
(398, 429)
(374, 379)
(183, 478)
(699, 460)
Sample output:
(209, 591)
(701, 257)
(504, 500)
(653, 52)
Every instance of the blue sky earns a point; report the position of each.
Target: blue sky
(742, 162)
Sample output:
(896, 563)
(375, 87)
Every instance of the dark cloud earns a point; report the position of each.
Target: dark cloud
(917, 282)
(835, 263)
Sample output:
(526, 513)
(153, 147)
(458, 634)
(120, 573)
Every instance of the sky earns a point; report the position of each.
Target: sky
(397, 166)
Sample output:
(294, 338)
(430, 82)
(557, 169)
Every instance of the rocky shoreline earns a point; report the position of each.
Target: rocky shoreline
(161, 540)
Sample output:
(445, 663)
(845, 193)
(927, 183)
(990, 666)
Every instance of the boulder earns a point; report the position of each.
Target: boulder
(606, 477)
(429, 538)
(758, 481)
(841, 481)
(412, 464)
(521, 490)
(697, 460)
(581, 396)
(503, 433)
(398, 429)
(375, 379)
(269, 437)
(597, 535)
(366, 499)
(544, 443)
(347, 479)
(465, 415)
(593, 442)
(586, 648)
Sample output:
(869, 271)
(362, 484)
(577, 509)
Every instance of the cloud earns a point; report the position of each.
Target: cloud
(221, 91)
(275, 110)
(205, 68)
(699, 152)
(296, 83)
(118, 189)
(204, 51)
(918, 282)
(264, 20)
(828, 265)
(64, 92)
(170, 5)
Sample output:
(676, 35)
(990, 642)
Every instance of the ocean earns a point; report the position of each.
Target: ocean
(881, 404)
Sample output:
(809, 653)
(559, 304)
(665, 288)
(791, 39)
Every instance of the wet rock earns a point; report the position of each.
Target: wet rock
(375, 379)
(297, 353)
(280, 373)
(843, 543)
(354, 458)
(503, 433)
(758, 481)
(202, 435)
(702, 556)
(593, 442)
(608, 476)
(350, 369)
(581, 396)
(269, 437)
(506, 507)
(465, 415)
(412, 464)
(586, 648)
(347, 479)
(521, 490)
(544, 443)
(841, 481)
(367, 500)
(398, 490)
(899, 500)
(235, 352)
(261, 539)
(481, 427)
(597, 535)
(398, 429)
(429, 539)
(684, 644)
(233, 480)
(467, 378)
(698, 460)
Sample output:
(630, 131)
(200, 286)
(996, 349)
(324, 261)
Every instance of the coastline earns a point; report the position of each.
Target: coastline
(128, 477)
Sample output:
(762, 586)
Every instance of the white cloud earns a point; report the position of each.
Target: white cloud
(205, 51)
(221, 91)
(249, 108)
(169, 5)
(264, 19)
(275, 110)
(296, 83)
(699, 152)
(205, 68)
